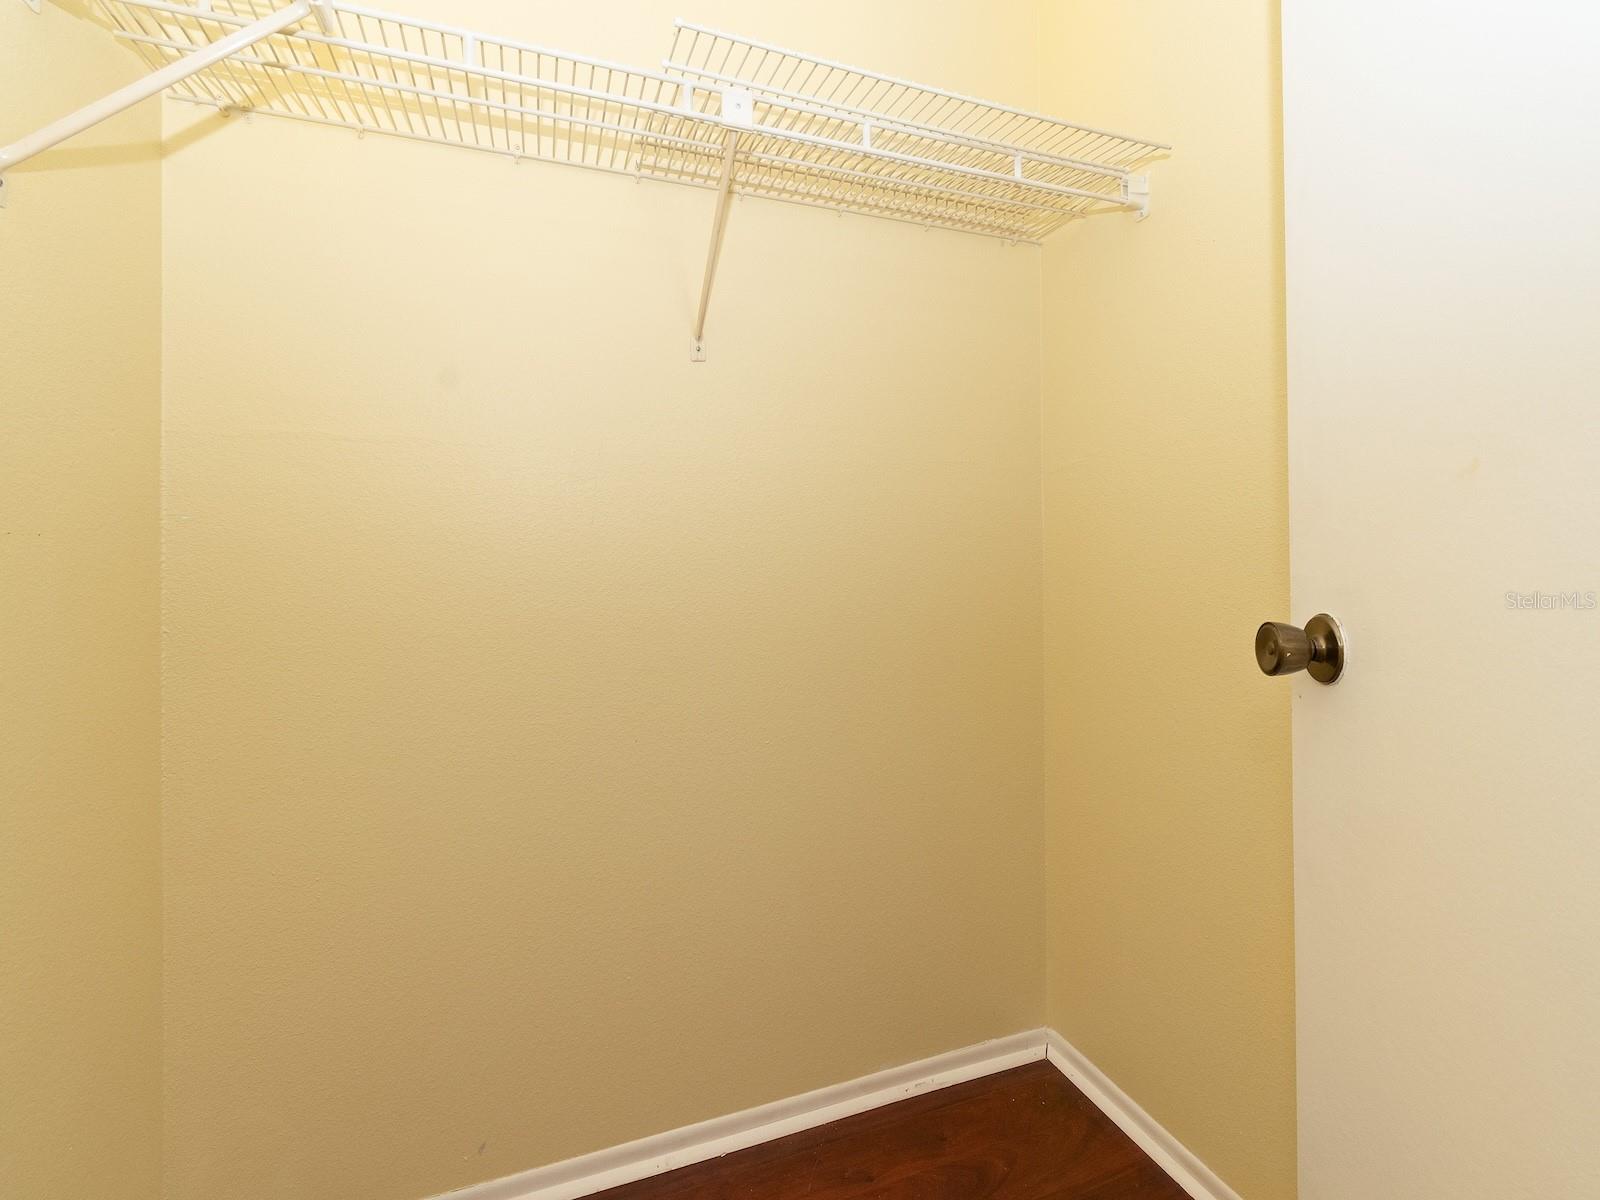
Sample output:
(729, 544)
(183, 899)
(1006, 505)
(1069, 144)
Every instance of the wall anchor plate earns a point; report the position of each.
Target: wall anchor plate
(1138, 191)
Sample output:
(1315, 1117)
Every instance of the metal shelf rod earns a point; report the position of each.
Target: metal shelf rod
(125, 98)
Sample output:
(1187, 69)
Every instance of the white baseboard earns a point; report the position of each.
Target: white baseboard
(662, 1152)
(1168, 1153)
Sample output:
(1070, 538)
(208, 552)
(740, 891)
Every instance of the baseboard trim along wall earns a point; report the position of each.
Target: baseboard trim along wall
(662, 1152)
(1168, 1153)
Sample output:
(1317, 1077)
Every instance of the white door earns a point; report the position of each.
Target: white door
(1442, 169)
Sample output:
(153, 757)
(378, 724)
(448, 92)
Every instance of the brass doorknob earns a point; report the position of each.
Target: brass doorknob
(1318, 649)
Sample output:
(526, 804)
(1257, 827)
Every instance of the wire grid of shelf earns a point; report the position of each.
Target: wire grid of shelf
(380, 73)
(722, 112)
(855, 139)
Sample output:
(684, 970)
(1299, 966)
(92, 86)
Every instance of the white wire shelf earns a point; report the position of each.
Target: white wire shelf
(379, 73)
(806, 130)
(740, 116)
(854, 139)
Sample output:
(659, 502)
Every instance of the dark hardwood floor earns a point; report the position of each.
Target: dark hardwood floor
(1025, 1134)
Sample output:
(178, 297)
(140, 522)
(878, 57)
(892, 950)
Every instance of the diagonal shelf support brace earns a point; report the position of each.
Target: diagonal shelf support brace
(738, 108)
(157, 81)
(719, 225)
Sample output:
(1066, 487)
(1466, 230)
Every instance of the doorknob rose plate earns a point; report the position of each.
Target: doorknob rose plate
(1318, 649)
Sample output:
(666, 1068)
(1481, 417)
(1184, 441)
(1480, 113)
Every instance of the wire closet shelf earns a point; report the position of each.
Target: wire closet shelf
(722, 112)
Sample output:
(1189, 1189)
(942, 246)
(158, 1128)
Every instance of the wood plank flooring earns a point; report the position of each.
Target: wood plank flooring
(1024, 1134)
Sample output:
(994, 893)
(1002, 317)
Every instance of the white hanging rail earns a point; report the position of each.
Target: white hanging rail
(727, 113)
(191, 63)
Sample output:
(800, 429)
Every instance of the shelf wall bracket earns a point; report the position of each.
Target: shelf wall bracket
(158, 81)
(1138, 194)
(737, 107)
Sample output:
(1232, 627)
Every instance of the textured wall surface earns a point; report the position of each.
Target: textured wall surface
(1167, 763)
(80, 403)
(566, 741)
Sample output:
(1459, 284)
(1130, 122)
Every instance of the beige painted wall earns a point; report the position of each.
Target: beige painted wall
(79, 812)
(1167, 761)
(566, 741)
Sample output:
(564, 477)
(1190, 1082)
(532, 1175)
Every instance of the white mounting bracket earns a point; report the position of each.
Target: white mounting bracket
(697, 352)
(1137, 191)
(3, 190)
(36, 5)
(738, 107)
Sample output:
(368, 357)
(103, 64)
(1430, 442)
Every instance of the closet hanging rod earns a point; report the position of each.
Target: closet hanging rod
(125, 98)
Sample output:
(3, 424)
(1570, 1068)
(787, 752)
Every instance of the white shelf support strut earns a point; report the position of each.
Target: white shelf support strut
(719, 225)
(328, 20)
(158, 81)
